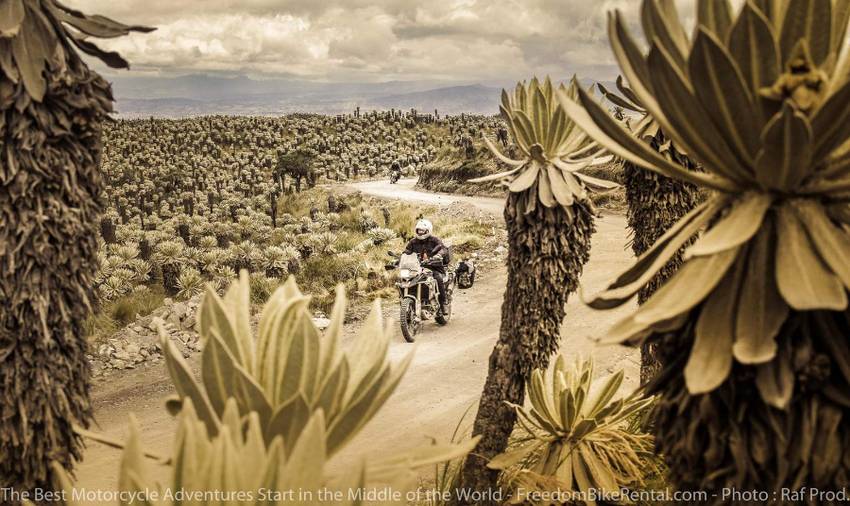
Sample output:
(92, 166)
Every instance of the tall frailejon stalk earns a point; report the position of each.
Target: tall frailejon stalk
(655, 202)
(549, 220)
(753, 330)
(51, 110)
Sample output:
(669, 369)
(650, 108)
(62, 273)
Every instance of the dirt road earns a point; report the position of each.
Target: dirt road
(446, 375)
(404, 190)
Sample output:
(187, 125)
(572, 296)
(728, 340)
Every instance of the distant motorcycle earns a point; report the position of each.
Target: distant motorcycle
(418, 293)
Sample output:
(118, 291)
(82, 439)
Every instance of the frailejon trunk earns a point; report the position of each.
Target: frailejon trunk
(170, 274)
(547, 250)
(50, 207)
(655, 203)
(730, 439)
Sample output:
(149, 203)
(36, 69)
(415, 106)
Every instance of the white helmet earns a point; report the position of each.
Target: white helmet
(423, 229)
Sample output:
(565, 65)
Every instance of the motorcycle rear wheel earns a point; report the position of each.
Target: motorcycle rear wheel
(409, 324)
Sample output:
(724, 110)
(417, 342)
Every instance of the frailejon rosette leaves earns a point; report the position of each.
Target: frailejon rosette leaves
(644, 128)
(655, 203)
(233, 432)
(290, 370)
(577, 436)
(553, 150)
(38, 32)
(235, 459)
(760, 100)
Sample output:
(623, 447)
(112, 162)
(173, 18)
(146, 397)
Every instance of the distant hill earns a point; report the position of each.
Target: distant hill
(200, 94)
(474, 99)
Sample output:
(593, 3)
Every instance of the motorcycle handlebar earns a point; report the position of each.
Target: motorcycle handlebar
(431, 262)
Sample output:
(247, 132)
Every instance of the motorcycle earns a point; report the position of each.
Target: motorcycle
(419, 294)
(395, 176)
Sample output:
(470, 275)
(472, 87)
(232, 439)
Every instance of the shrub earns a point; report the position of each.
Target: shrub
(289, 370)
(261, 287)
(137, 304)
(578, 438)
(189, 283)
(380, 235)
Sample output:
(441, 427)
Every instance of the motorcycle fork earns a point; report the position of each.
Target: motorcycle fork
(419, 301)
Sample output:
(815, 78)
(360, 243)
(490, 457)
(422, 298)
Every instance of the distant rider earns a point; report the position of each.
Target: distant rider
(395, 171)
(428, 246)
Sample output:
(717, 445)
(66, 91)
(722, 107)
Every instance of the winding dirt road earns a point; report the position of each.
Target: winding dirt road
(404, 190)
(446, 375)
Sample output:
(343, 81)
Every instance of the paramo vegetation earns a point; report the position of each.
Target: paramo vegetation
(193, 201)
(744, 294)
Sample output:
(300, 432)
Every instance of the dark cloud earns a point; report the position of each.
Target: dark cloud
(359, 40)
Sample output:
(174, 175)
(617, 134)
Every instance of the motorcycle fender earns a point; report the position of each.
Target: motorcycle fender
(411, 297)
(415, 304)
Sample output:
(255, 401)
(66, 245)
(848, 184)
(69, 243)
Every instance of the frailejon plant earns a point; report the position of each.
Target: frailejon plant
(655, 202)
(169, 257)
(52, 108)
(189, 283)
(549, 218)
(237, 465)
(269, 413)
(753, 329)
(578, 442)
(289, 370)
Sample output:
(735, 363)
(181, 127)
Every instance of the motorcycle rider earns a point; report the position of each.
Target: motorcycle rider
(395, 171)
(428, 246)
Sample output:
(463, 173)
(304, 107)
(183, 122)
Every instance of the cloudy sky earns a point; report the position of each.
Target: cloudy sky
(485, 41)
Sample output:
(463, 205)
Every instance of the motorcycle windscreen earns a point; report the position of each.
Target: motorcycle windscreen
(410, 262)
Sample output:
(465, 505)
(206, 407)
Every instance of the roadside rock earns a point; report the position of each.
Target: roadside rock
(138, 343)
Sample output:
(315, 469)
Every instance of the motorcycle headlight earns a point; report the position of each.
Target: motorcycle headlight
(404, 273)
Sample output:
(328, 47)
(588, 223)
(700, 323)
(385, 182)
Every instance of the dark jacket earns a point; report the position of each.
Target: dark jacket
(427, 248)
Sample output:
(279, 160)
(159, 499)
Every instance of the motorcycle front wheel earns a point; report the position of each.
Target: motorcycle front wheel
(408, 321)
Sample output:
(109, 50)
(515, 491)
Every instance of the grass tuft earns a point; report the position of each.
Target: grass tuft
(121, 312)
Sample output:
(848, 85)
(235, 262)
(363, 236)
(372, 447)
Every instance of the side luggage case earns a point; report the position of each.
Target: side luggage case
(465, 274)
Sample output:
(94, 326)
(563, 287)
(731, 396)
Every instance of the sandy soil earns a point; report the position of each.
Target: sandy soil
(446, 375)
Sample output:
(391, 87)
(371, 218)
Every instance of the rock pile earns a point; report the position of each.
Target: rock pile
(138, 343)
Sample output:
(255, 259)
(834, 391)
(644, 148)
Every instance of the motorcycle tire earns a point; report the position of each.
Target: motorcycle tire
(407, 320)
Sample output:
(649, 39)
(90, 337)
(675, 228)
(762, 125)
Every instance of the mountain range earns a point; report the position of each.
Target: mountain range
(202, 94)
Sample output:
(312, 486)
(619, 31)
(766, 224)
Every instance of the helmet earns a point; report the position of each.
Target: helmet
(423, 229)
